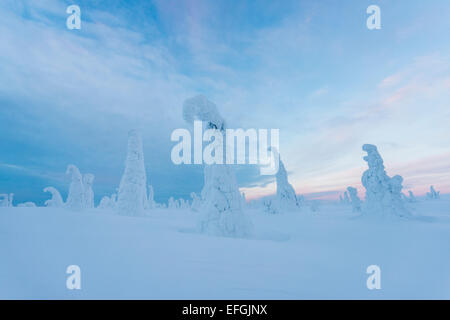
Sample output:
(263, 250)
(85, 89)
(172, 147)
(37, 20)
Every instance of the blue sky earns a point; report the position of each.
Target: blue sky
(309, 68)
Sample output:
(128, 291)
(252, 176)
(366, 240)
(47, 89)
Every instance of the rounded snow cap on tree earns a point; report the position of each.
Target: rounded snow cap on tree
(73, 170)
(200, 108)
(373, 158)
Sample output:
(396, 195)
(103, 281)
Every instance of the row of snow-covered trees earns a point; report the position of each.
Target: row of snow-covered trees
(220, 202)
(354, 200)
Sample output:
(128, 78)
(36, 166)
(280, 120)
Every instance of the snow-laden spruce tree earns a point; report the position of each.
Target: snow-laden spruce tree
(105, 203)
(108, 202)
(171, 204)
(56, 201)
(355, 201)
(221, 210)
(132, 196)
(286, 199)
(75, 199)
(196, 202)
(88, 180)
(346, 198)
(433, 194)
(412, 198)
(151, 198)
(383, 194)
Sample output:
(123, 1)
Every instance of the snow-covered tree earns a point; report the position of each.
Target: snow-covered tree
(4, 200)
(132, 197)
(433, 194)
(221, 206)
(383, 194)
(11, 197)
(346, 198)
(56, 201)
(104, 203)
(88, 180)
(184, 204)
(151, 198)
(171, 203)
(244, 201)
(286, 199)
(341, 200)
(355, 201)
(268, 206)
(75, 199)
(196, 202)
(412, 198)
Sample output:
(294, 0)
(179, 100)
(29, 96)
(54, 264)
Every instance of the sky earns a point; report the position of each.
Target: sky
(311, 69)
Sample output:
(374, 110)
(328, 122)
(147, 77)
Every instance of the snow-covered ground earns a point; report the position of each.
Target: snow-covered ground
(302, 255)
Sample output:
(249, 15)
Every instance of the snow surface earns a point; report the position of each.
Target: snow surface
(301, 255)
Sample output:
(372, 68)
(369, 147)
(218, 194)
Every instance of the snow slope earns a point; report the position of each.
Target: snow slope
(302, 255)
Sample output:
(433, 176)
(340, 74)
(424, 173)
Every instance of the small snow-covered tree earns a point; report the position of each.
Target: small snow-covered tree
(88, 180)
(105, 203)
(244, 201)
(268, 206)
(75, 199)
(221, 206)
(56, 201)
(346, 198)
(4, 200)
(171, 203)
(433, 194)
(11, 197)
(341, 200)
(108, 202)
(196, 202)
(132, 195)
(355, 201)
(412, 198)
(383, 194)
(151, 198)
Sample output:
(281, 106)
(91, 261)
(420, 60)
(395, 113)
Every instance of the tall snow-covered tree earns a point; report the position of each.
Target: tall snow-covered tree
(132, 196)
(75, 199)
(88, 180)
(355, 201)
(56, 201)
(151, 198)
(383, 194)
(221, 210)
(286, 198)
